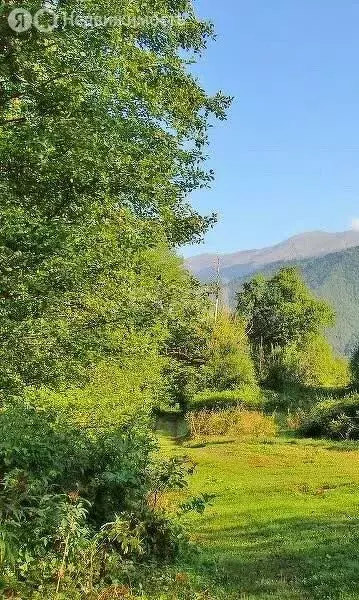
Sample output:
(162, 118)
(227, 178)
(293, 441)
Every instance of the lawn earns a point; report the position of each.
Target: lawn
(285, 520)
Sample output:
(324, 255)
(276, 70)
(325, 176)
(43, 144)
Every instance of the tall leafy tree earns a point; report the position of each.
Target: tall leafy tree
(281, 310)
(102, 137)
(186, 348)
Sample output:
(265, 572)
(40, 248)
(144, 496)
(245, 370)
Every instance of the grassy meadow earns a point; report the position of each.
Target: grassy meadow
(285, 522)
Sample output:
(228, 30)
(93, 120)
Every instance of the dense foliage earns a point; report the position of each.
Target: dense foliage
(312, 363)
(354, 364)
(187, 347)
(229, 364)
(333, 277)
(285, 325)
(248, 396)
(206, 353)
(281, 310)
(76, 506)
(102, 133)
(102, 138)
(336, 418)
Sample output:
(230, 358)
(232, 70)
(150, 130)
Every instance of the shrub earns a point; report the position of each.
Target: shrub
(247, 396)
(75, 504)
(231, 422)
(291, 398)
(334, 418)
(311, 362)
(295, 420)
(314, 363)
(229, 363)
(112, 396)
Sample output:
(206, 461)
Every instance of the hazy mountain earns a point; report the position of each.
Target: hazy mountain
(305, 245)
(329, 263)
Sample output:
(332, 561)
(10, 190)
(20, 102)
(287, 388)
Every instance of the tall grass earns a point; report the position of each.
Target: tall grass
(234, 422)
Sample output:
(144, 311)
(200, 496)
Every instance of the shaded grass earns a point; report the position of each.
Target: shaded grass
(285, 521)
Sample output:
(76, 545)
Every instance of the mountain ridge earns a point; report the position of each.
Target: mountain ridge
(304, 245)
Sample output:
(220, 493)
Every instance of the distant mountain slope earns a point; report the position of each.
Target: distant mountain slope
(334, 277)
(330, 266)
(306, 245)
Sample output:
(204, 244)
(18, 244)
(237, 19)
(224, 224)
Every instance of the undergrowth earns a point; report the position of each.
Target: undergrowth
(235, 422)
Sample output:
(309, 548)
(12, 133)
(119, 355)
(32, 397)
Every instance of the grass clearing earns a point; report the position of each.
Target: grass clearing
(285, 521)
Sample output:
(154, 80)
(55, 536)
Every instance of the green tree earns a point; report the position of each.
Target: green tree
(102, 137)
(354, 366)
(202, 354)
(186, 348)
(103, 134)
(281, 310)
(229, 364)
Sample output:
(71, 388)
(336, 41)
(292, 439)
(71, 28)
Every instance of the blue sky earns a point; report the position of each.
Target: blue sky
(287, 158)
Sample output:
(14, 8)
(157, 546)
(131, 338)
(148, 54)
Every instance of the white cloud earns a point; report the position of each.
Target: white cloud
(355, 224)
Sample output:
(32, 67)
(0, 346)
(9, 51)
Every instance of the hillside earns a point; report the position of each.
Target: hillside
(330, 266)
(305, 245)
(334, 277)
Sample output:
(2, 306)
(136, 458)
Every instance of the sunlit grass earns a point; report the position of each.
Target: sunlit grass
(285, 521)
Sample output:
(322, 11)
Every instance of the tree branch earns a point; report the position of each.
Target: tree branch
(17, 120)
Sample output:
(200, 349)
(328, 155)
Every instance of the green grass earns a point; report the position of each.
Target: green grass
(285, 521)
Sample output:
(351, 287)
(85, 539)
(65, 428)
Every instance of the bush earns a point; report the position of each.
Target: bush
(334, 418)
(229, 364)
(234, 422)
(75, 504)
(314, 363)
(112, 397)
(248, 396)
(310, 363)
